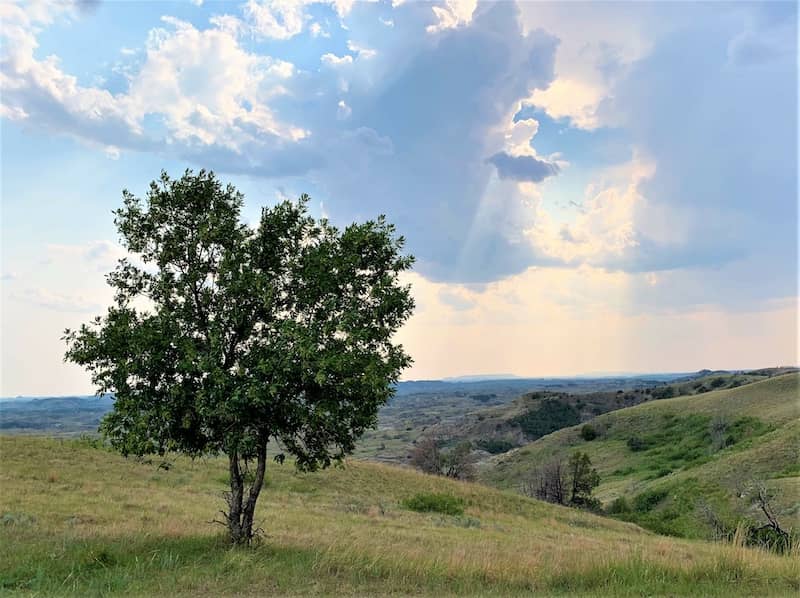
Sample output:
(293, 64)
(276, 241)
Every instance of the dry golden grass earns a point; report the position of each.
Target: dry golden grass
(84, 521)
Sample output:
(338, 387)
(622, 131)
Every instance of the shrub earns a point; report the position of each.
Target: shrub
(647, 501)
(743, 428)
(619, 506)
(495, 445)
(716, 382)
(637, 443)
(435, 503)
(588, 432)
(458, 463)
(665, 392)
(769, 538)
(426, 455)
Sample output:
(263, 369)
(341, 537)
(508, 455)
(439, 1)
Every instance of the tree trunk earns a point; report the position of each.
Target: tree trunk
(234, 514)
(240, 511)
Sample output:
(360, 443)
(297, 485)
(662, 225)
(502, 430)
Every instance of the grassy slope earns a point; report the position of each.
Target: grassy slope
(501, 422)
(680, 461)
(84, 521)
(722, 380)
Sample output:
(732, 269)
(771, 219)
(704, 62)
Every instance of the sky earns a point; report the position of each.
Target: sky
(587, 187)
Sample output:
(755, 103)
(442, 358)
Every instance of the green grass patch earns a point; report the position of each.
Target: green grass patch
(426, 502)
(106, 526)
(790, 471)
(639, 577)
(680, 442)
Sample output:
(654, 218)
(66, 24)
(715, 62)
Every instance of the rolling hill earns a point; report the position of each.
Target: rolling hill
(498, 428)
(673, 459)
(79, 520)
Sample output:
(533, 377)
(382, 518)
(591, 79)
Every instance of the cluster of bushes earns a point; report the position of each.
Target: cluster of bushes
(663, 392)
(549, 416)
(743, 428)
(716, 382)
(660, 510)
(650, 510)
(570, 483)
(429, 456)
(647, 501)
(642, 503)
(769, 536)
(495, 446)
(692, 439)
(619, 506)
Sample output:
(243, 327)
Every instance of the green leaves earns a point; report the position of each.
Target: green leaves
(223, 336)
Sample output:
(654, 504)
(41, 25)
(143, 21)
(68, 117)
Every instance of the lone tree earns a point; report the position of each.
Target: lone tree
(426, 456)
(224, 337)
(584, 480)
(456, 463)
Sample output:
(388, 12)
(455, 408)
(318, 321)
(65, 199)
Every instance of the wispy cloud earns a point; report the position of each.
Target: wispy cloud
(61, 302)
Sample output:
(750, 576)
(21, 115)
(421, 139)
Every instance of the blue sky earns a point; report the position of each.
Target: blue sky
(587, 186)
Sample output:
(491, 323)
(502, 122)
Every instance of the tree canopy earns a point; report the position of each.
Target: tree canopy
(223, 337)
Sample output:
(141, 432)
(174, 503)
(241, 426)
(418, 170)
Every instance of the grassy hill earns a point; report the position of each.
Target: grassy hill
(533, 415)
(671, 457)
(499, 428)
(707, 380)
(78, 520)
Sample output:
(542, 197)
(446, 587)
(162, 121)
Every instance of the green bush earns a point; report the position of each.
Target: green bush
(495, 445)
(744, 428)
(771, 539)
(647, 501)
(637, 443)
(588, 432)
(619, 506)
(665, 392)
(426, 502)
